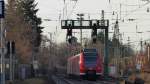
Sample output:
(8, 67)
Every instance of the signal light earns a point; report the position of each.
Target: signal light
(94, 30)
(69, 32)
(94, 34)
(94, 40)
(70, 40)
(69, 36)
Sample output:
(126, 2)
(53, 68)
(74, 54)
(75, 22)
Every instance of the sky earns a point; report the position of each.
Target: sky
(51, 9)
(130, 9)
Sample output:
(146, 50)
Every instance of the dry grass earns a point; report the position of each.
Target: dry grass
(34, 81)
(145, 76)
(29, 81)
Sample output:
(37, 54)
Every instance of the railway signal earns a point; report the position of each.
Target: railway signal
(94, 34)
(69, 35)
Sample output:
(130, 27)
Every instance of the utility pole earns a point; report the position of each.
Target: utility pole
(141, 43)
(103, 17)
(2, 42)
(117, 43)
(50, 48)
(120, 10)
(128, 44)
(148, 51)
(2, 56)
(121, 54)
(11, 78)
(121, 39)
(106, 58)
(106, 54)
(80, 18)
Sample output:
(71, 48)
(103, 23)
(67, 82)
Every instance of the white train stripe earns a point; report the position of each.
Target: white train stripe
(98, 73)
(82, 73)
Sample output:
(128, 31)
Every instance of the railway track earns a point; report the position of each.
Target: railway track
(97, 82)
(61, 79)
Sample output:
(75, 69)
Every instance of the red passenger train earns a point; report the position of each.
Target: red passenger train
(87, 64)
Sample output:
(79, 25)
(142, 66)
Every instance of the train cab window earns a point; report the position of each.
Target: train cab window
(90, 58)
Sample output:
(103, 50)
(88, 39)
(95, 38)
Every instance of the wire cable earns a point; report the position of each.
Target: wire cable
(73, 9)
(136, 9)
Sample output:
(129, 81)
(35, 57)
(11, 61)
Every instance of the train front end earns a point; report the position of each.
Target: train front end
(90, 64)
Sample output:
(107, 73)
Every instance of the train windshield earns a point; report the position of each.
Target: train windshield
(90, 58)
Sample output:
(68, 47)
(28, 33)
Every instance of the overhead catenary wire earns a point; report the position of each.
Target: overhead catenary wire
(73, 8)
(65, 9)
(137, 41)
(99, 13)
(132, 11)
